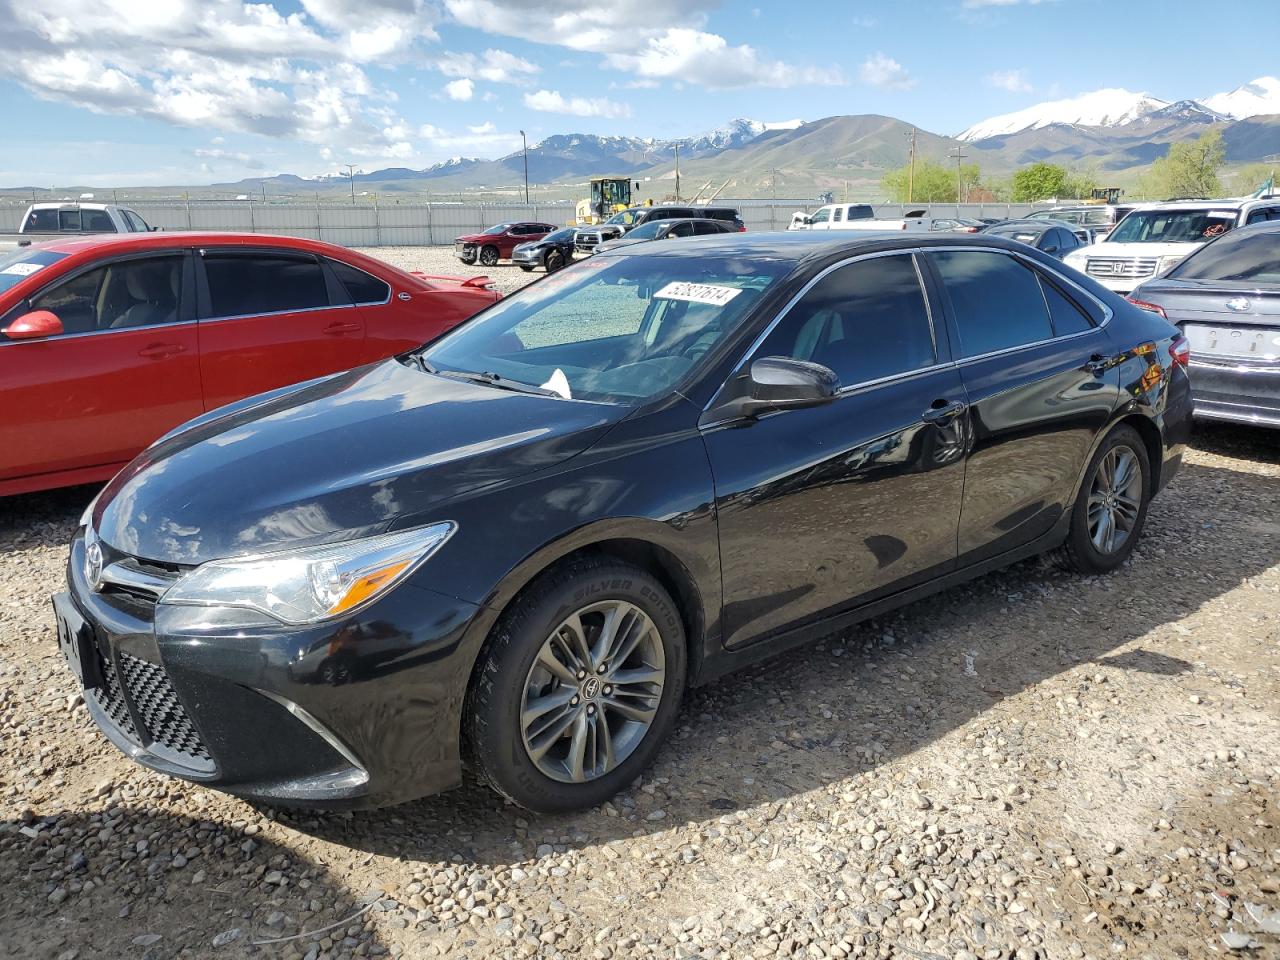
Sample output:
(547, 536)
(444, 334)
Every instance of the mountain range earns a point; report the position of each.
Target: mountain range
(1114, 130)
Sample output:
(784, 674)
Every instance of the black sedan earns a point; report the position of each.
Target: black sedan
(552, 252)
(1050, 236)
(669, 230)
(1225, 298)
(521, 543)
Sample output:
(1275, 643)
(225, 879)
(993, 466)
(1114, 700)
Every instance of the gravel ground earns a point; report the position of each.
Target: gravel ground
(1034, 765)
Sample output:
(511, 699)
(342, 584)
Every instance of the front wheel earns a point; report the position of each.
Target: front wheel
(578, 686)
(489, 256)
(1111, 507)
(555, 260)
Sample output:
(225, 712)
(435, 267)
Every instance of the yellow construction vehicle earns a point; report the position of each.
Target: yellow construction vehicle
(608, 196)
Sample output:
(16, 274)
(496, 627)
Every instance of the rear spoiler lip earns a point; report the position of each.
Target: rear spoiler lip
(479, 282)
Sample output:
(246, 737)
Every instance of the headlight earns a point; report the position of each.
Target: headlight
(1164, 263)
(306, 586)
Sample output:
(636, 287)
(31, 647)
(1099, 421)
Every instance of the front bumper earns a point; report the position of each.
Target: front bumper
(1241, 392)
(464, 251)
(530, 258)
(359, 712)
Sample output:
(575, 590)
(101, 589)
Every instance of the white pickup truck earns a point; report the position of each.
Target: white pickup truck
(856, 216)
(50, 221)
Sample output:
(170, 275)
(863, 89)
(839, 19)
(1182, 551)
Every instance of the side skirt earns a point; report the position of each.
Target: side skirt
(727, 661)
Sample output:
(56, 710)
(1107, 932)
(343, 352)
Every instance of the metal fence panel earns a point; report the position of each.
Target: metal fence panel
(372, 225)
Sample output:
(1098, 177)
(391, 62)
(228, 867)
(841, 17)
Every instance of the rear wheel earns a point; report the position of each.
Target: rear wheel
(489, 256)
(1111, 507)
(555, 260)
(578, 687)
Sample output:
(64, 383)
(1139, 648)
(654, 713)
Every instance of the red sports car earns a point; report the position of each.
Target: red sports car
(498, 241)
(107, 342)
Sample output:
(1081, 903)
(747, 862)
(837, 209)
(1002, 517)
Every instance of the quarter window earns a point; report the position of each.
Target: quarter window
(1066, 316)
(839, 215)
(864, 320)
(245, 284)
(995, 300)
(360, 286)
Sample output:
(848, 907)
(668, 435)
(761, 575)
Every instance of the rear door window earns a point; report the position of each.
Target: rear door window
(244, 284)
(96, 221)
(865, 320)
(995, 300)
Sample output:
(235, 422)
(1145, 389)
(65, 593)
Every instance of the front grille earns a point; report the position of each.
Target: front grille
(110, 699)
(157, 704)
(1120, 267)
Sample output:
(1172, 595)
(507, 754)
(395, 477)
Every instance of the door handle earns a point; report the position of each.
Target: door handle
(339, 327)
(161, 351)
(1100, 364)
(943, 410)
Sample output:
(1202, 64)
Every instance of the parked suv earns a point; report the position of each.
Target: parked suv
(1100, 218)
(588, 238)
(1154, 237)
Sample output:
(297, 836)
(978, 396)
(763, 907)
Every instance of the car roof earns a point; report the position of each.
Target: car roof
(147, 241)
(68, 205)
(807, 245)
(1042, 222)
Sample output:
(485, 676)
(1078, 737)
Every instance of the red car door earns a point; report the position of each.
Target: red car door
(124, 371)
(268, 318)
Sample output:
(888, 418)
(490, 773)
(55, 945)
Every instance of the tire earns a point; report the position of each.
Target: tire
(512, 681)
(554, 261)
(489, 256)
(469, 261)
(1099, 509)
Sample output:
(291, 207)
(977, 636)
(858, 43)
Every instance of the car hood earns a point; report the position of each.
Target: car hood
(1133, 250)
(351, 455)
(476, 237)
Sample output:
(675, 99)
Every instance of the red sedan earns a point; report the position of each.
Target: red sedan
(108, 342)
(498, 241)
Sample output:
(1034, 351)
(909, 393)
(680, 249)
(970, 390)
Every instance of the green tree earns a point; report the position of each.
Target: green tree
(932, 182)
(1250, 177)
(1081, 183)
(1190, 169)
(1040, 181)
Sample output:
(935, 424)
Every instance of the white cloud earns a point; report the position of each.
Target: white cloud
(462, 89)
(237, 157)
(551, 101)
(485, 127)
(654, 39)
(496, 66)
(1015, 81)
(885, 72)
(221, 65)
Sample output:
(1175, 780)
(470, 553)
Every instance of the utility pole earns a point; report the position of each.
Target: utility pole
(958, 156)
(775, 183)
(911, 168)
(351, 175)
(677, 173)
(526, 167)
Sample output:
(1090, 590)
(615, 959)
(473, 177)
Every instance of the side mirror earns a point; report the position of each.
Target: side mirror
(1051, 248)
(783, 383)
(34, 326)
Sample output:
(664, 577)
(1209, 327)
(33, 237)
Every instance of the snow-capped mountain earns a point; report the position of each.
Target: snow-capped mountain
(1112, 107)
(735, 133)
(1262, 96)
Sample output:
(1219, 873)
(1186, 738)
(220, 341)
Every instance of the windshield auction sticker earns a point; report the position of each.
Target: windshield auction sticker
(709, 293)
(22, 269)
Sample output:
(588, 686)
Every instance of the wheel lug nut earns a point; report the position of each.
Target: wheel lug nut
(591, 711)
(608, 690)
(582, 674)
(602, 668)
(573, 702)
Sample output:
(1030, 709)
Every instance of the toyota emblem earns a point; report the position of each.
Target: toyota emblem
(1238, 304)
(93, 565)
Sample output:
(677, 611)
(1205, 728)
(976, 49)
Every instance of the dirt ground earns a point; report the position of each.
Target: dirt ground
(1034, 765)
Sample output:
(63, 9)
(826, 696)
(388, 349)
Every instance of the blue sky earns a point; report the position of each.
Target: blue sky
(122, 92)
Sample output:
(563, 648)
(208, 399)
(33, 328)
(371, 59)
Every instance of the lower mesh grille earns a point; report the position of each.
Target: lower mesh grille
(157, 704)
(110, 699)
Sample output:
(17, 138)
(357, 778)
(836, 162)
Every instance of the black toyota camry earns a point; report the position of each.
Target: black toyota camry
(519, 545)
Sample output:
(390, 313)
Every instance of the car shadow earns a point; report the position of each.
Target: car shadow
(879, 691)
(1237, 440)
(155, 884)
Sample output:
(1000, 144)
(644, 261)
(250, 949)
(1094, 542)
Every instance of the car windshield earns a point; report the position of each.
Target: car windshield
(610, 329)
(647, 231)
(1173, 226)
(496, 229)
(560, 236)
(17, 266)
(1241, 256)
(625, 218)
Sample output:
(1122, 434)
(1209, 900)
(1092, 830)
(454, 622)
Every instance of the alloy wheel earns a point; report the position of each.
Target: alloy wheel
(1115, 499)
(592, 692)
(489, 256)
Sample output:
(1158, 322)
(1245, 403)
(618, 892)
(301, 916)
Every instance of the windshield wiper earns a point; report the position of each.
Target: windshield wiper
(416, 359)
(490, 379)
